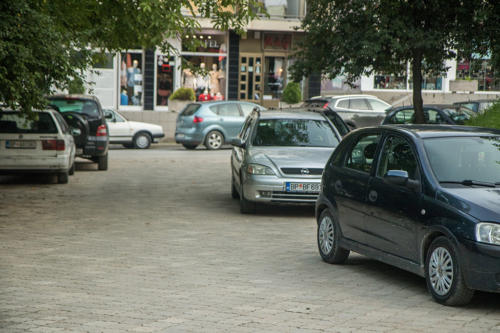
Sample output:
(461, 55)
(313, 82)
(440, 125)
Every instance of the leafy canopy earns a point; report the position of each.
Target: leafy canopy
(47, 44)
(359, 37)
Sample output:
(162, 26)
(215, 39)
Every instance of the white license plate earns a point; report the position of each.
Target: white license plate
(180, 135)
(302, 187)
(20, 144)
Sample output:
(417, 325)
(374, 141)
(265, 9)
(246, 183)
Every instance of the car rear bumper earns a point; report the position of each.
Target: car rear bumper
(272, 189)
(95, 146)
(188, 138)
(481, 264)
(18, 164)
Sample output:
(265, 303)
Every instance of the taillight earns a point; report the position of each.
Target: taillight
(53, 145)
(325, 106)
(197, 119)
(101, 131)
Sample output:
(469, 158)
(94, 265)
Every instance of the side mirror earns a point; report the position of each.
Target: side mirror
(238, 142)
(396, 177)
(108, 116)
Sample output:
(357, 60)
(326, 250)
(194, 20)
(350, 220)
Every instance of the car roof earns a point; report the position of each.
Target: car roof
(341, 96)
(477, 101)
(435, 106)
(437, 131)
(220, 102)
(74, 96)
(291, 114)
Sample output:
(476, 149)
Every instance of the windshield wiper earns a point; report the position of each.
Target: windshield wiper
(470, 182)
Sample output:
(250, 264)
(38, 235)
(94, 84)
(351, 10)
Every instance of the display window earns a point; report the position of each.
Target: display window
(208, 80)
(480, 70)
(274, 77)
(165, 73)
(339, 83)
(429, 82)
(131, 79)
(382, 81)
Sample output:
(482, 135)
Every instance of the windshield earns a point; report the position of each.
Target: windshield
(456, 159)
(14, 122)
(294, 132)
(82, 106)
(190, 109)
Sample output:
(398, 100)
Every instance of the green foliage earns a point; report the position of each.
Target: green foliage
(76, 86)
(359, 37)
(183, 94)
(292, 93)
(45, 45)
(490, 118)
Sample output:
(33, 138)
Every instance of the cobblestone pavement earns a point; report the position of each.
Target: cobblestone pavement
(156, 244)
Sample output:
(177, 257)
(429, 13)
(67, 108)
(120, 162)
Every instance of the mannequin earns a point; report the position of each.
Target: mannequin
(222, 57)
(222, 81)
(214, 80)
(202, 80)
(189, 79)
(132, 81)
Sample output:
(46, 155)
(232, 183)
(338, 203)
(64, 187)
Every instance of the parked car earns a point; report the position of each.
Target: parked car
(362, 110)
(131, 134)
(42, 145)
(477, 106)
(279, 157)
(343, 127)
(421, 198)
(84, 114)
(434, 114)
(211, 123)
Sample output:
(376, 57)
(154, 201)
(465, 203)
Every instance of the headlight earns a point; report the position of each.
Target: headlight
(257, 169)
(488, 233)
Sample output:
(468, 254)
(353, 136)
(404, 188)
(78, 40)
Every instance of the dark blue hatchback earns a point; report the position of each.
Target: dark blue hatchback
(423, 198)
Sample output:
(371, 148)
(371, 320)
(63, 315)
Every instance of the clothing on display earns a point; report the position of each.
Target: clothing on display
(189, 80)
(214, 80)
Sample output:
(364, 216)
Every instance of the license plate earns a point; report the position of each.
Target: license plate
(20, 144)
(180, 135)
(302, 187)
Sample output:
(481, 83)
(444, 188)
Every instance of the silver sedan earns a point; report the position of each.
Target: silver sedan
(279, 157)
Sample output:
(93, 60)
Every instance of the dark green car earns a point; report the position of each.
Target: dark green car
(422, 198)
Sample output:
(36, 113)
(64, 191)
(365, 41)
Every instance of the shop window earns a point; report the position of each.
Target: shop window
(274, 77)
(165, 69)
(131, 78)
(480, 70)
(104, 61)
(339, 83)
(209, 78)
(383, 81)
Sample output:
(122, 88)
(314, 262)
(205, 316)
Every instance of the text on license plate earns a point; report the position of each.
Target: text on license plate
(20, 144)
(302, 187)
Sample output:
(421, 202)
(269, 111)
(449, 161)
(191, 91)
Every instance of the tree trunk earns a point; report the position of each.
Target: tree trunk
(418, 103)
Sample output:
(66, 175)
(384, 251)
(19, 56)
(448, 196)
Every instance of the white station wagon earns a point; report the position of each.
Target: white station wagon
(131, 134)
(44, 144)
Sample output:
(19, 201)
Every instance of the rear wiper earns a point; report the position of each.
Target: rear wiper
(469, 182)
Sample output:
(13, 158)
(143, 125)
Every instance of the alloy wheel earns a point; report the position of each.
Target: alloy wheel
(142, 141)
(441, 271)
(215, 140)
(326, 235)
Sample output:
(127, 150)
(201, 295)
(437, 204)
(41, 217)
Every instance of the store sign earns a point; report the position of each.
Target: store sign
(277, 41)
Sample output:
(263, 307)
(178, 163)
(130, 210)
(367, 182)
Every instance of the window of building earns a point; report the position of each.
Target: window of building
(165, 69)
(131, 80)
(208, 80)
(480, 70)
(383, 81)
(274, 77)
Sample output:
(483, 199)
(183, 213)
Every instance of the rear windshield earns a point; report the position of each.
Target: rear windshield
(14, 122)
(190, 109)
(295, 132)
(82, 106)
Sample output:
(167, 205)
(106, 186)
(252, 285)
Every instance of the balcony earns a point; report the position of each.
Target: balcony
(285, 9)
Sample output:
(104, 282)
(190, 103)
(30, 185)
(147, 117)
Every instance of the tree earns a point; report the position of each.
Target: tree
(48, 44)
(356, 37)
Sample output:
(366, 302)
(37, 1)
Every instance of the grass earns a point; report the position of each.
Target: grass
(490, 118)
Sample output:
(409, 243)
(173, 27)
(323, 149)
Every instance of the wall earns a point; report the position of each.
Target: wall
(165, 119)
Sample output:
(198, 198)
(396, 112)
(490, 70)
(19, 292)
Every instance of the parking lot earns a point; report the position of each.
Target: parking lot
(156, 244)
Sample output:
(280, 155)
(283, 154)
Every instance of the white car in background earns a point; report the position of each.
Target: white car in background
(44, 144)
(131, 134)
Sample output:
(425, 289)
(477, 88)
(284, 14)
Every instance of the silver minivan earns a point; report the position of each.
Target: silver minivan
(211, 123)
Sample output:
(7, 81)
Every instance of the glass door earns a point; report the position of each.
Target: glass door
(250, 77)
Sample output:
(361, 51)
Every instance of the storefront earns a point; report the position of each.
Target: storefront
(263, 66)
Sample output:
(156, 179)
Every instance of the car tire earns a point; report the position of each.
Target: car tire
(214, 140)
(443, 274)
(328, 237)
(71, 170)
(63, 177)
(102, 162)
(142, 140)
(246, 206)
(190, 147)
(234, 191)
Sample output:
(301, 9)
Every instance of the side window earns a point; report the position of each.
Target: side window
(118, 117)
(433, 117)
(247, 108)
(397, 155)
(109, 115)
(228, 110)
(359, 104)
(62, 123)
(338, 123)
(403, 117)
(344, 104)
(377, 105)
(363, 153)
